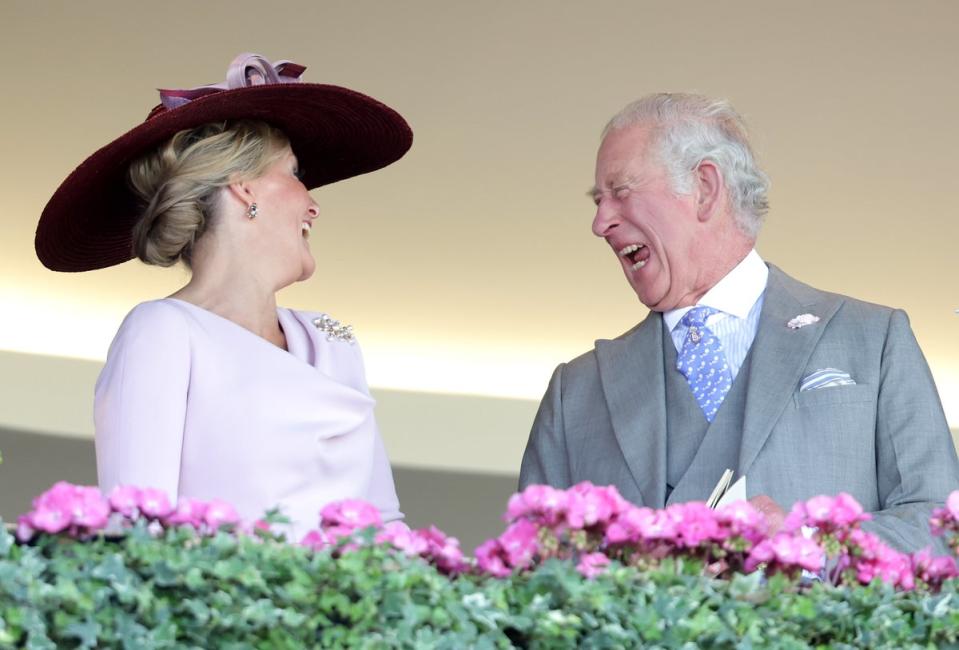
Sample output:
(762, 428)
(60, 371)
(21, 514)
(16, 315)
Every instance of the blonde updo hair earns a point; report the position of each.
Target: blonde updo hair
(178, 184)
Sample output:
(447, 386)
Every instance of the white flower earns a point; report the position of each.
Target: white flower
(802, 320)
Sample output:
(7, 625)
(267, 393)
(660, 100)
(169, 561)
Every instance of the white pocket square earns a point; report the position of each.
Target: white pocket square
(825, 378)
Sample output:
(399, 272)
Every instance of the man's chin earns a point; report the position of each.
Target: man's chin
(653, 303)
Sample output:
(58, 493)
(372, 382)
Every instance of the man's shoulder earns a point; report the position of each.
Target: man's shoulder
(587, 361)
(807, 294)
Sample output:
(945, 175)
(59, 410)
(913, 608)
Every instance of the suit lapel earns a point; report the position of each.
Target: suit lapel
(631, 373)
(779, 356)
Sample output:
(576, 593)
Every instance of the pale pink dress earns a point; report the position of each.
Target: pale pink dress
(192, 403)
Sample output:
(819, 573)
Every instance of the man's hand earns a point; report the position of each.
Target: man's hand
(774, 514)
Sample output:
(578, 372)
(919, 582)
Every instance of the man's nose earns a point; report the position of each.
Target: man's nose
(605, 220)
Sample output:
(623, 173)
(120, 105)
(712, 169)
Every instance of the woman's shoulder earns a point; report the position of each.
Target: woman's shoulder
(329, 345)
(164, 317)
(153, 334)
(324, 327)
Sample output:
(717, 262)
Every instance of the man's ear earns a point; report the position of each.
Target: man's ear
(710, 190)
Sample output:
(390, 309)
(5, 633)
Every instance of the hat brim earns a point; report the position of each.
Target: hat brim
(335, 132)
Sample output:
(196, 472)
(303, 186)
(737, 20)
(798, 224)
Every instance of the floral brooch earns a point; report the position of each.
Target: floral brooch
(802, 320)
(335, 331)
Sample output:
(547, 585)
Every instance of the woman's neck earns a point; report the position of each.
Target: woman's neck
(235, 293)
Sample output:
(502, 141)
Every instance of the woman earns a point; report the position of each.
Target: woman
(214, 392)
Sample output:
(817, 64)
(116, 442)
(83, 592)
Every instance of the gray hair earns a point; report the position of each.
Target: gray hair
(688, 129)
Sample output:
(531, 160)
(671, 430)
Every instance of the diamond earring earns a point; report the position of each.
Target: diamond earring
(251, 211)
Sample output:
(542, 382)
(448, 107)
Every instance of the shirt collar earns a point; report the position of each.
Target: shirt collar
(735, 294)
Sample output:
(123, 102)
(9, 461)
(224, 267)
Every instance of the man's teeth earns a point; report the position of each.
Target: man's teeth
(629, 250)
(632, 248)
(306, 229)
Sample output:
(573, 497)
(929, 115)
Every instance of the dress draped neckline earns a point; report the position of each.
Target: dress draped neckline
(307, 354)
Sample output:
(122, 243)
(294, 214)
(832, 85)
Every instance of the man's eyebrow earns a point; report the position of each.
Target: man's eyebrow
(595, 189)
(626, 181)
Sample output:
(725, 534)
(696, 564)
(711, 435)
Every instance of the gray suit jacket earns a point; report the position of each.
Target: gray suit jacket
(884, 440)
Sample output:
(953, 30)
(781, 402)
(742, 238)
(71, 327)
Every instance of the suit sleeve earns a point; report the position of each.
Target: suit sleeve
(915, 456)
(546, 460)
(140, 401)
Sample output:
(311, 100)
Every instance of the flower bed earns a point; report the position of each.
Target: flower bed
(574, 568)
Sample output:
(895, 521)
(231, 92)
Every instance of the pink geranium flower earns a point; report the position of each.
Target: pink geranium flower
(90, 510)
(350, 513)
(402, 537)
(589, 505)
(744, 520)
(538, 502)
(933, 570)
(952, 505)
(870, 558)
(125, 499)
(490, 559)
(786, 552)
(431, 544)
(830, 515)
(443, 550)
(695, 524)
(846, 511)
(49, 519)
(335, 533)
(628, 527)
(257, 528)
(519, 543)
(660, 527)
(819, 510)
(188, 511)
(25, 531)
(66, 506)
(219, 513)
(52, 510)
(154, 503)
(315, 539)
(796, 550)
(592, 564)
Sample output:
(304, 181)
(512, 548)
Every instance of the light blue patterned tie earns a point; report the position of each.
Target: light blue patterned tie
(703, 362)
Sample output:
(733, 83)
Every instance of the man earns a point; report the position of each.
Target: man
(738, 365)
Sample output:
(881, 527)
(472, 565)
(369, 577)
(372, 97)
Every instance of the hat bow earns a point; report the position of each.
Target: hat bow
(245, 70)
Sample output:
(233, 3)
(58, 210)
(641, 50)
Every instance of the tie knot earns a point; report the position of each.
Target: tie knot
(697, 316)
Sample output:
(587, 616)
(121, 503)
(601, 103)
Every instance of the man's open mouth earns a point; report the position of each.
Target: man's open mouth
(636, 255)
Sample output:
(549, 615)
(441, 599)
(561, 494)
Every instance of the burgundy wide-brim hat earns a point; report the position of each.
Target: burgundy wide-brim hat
(335, 133)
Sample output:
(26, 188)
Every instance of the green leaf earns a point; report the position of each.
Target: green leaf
(86, 632)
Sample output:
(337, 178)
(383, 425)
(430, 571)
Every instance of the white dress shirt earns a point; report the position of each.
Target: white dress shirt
(739, 299)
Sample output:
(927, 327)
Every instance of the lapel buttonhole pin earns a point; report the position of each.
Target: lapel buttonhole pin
(802, 320)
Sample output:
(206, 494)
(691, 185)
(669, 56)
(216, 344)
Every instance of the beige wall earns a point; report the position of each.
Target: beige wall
(466, 433)
(432, 431)
(469, 266)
